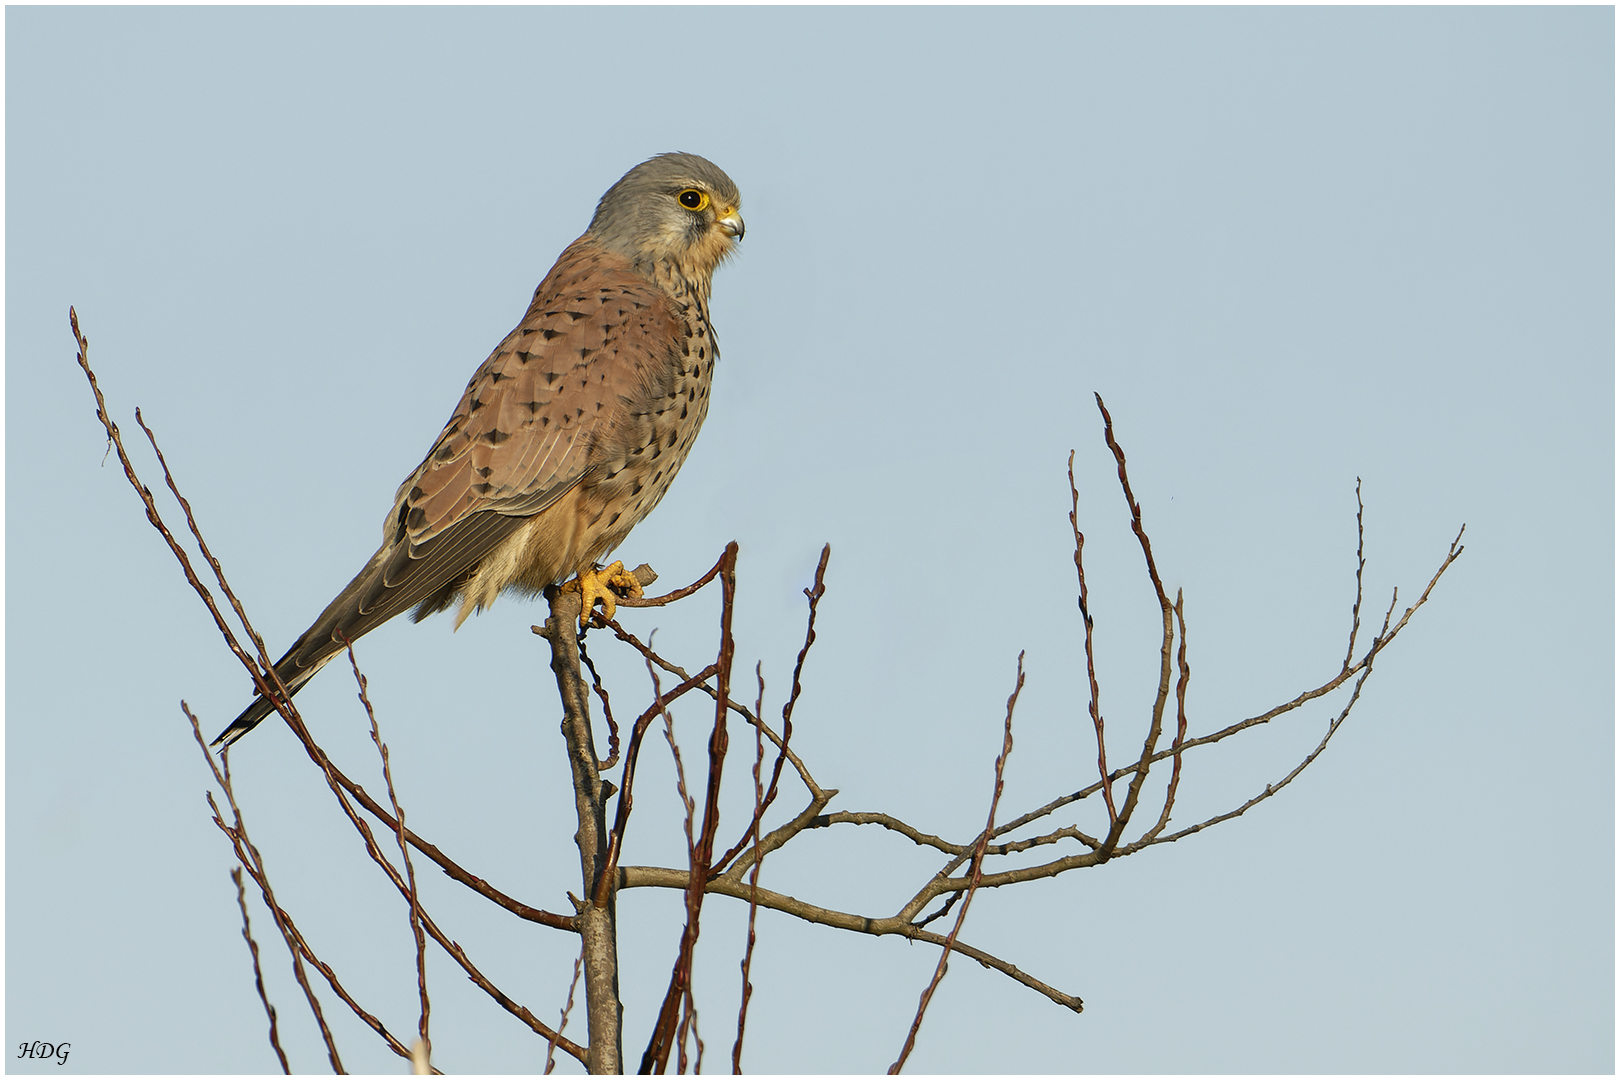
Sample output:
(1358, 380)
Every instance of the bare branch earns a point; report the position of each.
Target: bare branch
(814, 595)
(562, 1021)
(1117, 825)
(753, 880)
(702, 851)
(1181, 723)
(978, 863)
(258, 975)
(417, 934)
(607, 707)
(249, 856)
(1361, 565)
(597, 918)
(1105, 783)
(741, 710)
(670, 597)
(634, 877)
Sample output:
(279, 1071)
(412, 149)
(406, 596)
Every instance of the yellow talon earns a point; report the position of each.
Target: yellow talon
(602, 584)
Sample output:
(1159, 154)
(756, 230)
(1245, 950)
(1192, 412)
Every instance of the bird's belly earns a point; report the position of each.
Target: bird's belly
(593, 518)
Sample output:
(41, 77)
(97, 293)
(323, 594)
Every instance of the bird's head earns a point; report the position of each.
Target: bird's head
(679, 207)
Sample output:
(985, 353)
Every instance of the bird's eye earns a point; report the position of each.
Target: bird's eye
(692, 199)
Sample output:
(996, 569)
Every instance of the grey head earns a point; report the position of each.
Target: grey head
(679, 207)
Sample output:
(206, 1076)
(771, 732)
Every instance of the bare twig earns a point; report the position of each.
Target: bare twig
(607, 708)
(597, 919)
(562, 1021)
(813, 594)
(1118, 825)
(258, 975)
(753, 880)
(978, 862)
(670, 597)
(325, 969)
(702, 849)
(626, 802)
(249, 856)
(1091, 656)
(1181, 723)
(1361, 565)
(265, 680)
(417, 933)
(736, 707)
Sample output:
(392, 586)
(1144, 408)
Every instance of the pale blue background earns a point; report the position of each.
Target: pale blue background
(1290, 247)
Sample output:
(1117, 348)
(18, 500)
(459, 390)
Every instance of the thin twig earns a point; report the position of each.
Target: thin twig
(607, 711)
(671, 597)
(621, 816)
(701, 849)
(562, 1021)
(248, 855)
(978, 863)
(1361, 565)
(1091, 656)
(814, 595)
(753, 880)
(659, 877)
(1118, 825)
(321, 966)
(265, 680)
(415, 903)
(258, 975)
(1181, 723)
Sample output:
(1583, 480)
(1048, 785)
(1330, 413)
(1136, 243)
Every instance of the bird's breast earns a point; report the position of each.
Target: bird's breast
(637, 461)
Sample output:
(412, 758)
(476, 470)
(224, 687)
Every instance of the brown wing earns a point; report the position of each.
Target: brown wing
(595, 344)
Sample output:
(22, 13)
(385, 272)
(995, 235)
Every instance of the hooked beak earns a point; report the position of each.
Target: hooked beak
(732, 223)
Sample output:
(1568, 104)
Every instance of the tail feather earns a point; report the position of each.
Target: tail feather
(292, 676)
(397, 578)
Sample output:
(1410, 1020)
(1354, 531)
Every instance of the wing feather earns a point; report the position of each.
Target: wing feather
(535, 419)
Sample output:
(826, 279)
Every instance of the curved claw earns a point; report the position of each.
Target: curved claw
(605, 585)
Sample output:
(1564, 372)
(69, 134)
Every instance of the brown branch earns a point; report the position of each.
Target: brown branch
(562, 1022)
(326, 971)
(621, 817)
(258, 975)
(779, 836)
(1270, 789)
(415, 903)
(978, 864)
(265, 680)
(1361, 565)
(635, 877)
(456, 952)
(1384, 639)
(248, 855)
(680, 991)
(1117, 825)
(598, 916)
(753, 881)
(1181, 723)
(740, 709)
(701, 852)
(894, 824)
(814, 595)
(669, 597)
(607, 708)
(1091, 657)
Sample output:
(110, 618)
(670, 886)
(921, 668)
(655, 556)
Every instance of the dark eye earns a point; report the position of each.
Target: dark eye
(692, 199)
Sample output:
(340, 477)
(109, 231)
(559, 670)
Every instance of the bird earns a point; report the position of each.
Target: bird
(567, 436)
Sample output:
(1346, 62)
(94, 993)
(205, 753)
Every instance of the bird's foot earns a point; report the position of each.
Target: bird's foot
(607, 584)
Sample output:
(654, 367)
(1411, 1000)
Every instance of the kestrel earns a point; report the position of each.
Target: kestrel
(568, 435)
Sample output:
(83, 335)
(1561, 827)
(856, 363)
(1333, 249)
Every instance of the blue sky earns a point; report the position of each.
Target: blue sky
(1290, 248)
